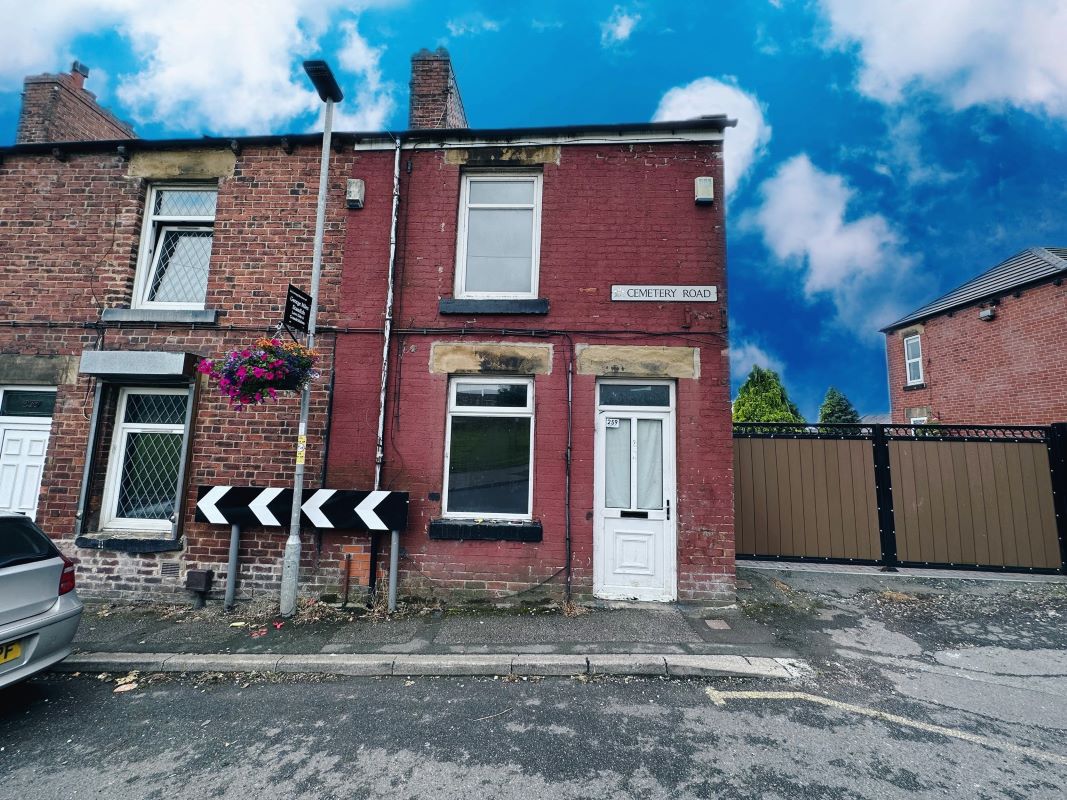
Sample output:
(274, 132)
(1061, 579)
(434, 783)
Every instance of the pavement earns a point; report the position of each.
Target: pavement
(676, 640)
(614, 639)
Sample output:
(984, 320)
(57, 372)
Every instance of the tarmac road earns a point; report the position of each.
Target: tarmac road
(920, 689)
(463, 738)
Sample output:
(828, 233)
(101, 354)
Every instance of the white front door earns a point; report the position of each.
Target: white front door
(634, 539)
(22, 452)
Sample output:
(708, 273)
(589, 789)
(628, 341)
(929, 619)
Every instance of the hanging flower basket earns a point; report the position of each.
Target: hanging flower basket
(256, 374)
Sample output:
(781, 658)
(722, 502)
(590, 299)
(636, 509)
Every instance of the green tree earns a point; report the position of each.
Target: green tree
(836, 408)
(762, 398)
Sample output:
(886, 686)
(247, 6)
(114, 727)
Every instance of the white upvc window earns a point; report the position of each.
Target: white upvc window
(172, 267)
(913, 360)
(141, 485)
(499, 242)
(489, 448)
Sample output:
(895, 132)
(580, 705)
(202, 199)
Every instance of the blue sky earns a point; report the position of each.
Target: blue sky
(887, 151)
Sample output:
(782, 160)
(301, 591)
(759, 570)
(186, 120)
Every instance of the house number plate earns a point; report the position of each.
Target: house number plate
(611, 422)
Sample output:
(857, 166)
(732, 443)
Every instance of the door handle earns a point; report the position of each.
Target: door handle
(668, 509)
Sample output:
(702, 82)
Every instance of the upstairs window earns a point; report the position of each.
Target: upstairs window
(499, 239)
(913, 360)
(176, 247)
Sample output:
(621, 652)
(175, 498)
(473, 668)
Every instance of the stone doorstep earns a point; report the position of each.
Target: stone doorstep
(645, 664)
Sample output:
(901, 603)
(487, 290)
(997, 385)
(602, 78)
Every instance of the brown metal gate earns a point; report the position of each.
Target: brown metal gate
(937, 496)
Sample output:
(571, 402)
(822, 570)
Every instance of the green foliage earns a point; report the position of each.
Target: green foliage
(762, 398)
(836, 408)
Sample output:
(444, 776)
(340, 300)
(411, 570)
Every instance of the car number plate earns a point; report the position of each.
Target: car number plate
(10, 651)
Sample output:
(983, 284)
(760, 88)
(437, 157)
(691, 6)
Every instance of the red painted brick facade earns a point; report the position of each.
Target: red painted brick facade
(57, 108)
(620, 213)
(1008, 371)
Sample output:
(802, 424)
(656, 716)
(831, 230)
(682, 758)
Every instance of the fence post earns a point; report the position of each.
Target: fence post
(1057, 460)
(883, 490)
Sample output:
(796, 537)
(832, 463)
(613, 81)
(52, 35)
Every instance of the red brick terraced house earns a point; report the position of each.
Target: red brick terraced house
(525, 329)
(557, 386)
(993, 351)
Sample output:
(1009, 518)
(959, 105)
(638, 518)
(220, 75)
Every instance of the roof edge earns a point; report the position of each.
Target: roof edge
(711, 123)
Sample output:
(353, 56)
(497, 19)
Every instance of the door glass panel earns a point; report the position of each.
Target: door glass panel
(630, 394)
(617, 465)
(649, 463)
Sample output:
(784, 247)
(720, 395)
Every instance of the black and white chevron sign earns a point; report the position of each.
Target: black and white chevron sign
(342, 509)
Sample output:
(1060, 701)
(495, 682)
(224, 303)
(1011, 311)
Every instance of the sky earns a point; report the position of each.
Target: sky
(886, 150)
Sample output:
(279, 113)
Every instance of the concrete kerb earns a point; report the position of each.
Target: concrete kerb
(380, 665)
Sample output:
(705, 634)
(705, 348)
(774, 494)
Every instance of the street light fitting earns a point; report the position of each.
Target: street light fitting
(325, 83)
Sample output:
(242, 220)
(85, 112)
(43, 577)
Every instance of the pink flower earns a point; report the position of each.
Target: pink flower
(259, 372)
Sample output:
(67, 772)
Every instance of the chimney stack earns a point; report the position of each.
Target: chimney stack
(435, 100)
(57, 108)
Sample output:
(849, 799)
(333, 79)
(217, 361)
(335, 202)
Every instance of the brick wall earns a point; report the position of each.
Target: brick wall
(57, 108)
(611, 214)
(435, 101)
(69, 235)
(1007, 371)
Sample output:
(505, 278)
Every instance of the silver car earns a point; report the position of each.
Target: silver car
(39, 609)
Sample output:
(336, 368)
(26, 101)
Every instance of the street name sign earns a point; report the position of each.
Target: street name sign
(339, 509)
(297, 309)
(662, 293)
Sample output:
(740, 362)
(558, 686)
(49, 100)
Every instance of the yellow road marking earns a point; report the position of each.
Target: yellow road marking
(719, 698)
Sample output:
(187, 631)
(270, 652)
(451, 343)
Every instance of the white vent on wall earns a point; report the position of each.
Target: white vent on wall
(705, 190)
(354, 193)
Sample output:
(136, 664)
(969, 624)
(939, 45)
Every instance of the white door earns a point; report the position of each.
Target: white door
(22, 452)
(634, 539)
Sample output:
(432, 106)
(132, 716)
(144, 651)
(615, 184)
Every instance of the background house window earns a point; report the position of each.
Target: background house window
(176, 246)
(499, 239)
(141, 486)
(489, 448)
(913, 359)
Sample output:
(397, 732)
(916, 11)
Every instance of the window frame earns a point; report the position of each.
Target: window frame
(451, 410)
(917, 360)
(918, 420)
(109, 521)
(536, 178)
(152, 229)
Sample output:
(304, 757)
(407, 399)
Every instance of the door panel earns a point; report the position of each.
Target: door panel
(634, 535)
(22, 454)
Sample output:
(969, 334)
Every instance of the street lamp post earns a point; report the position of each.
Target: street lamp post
(326, 85)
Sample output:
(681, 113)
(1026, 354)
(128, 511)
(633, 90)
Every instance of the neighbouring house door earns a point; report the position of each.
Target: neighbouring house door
(22, 453)
(634, 539)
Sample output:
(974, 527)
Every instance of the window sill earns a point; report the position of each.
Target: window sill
(186, 316)
(911, 387)
(462, 529)
(133, 544)
(452, 305)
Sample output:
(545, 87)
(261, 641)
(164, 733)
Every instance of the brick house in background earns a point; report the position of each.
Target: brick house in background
(993, 351)
(551, 425)
(125, 261)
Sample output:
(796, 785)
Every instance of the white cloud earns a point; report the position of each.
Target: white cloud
(746, 354)
(744, 143)
(34, 37)
(472, 24)
(229, 67)
(373, 102)
(858, 264)
(617, 28)
(970, 52)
